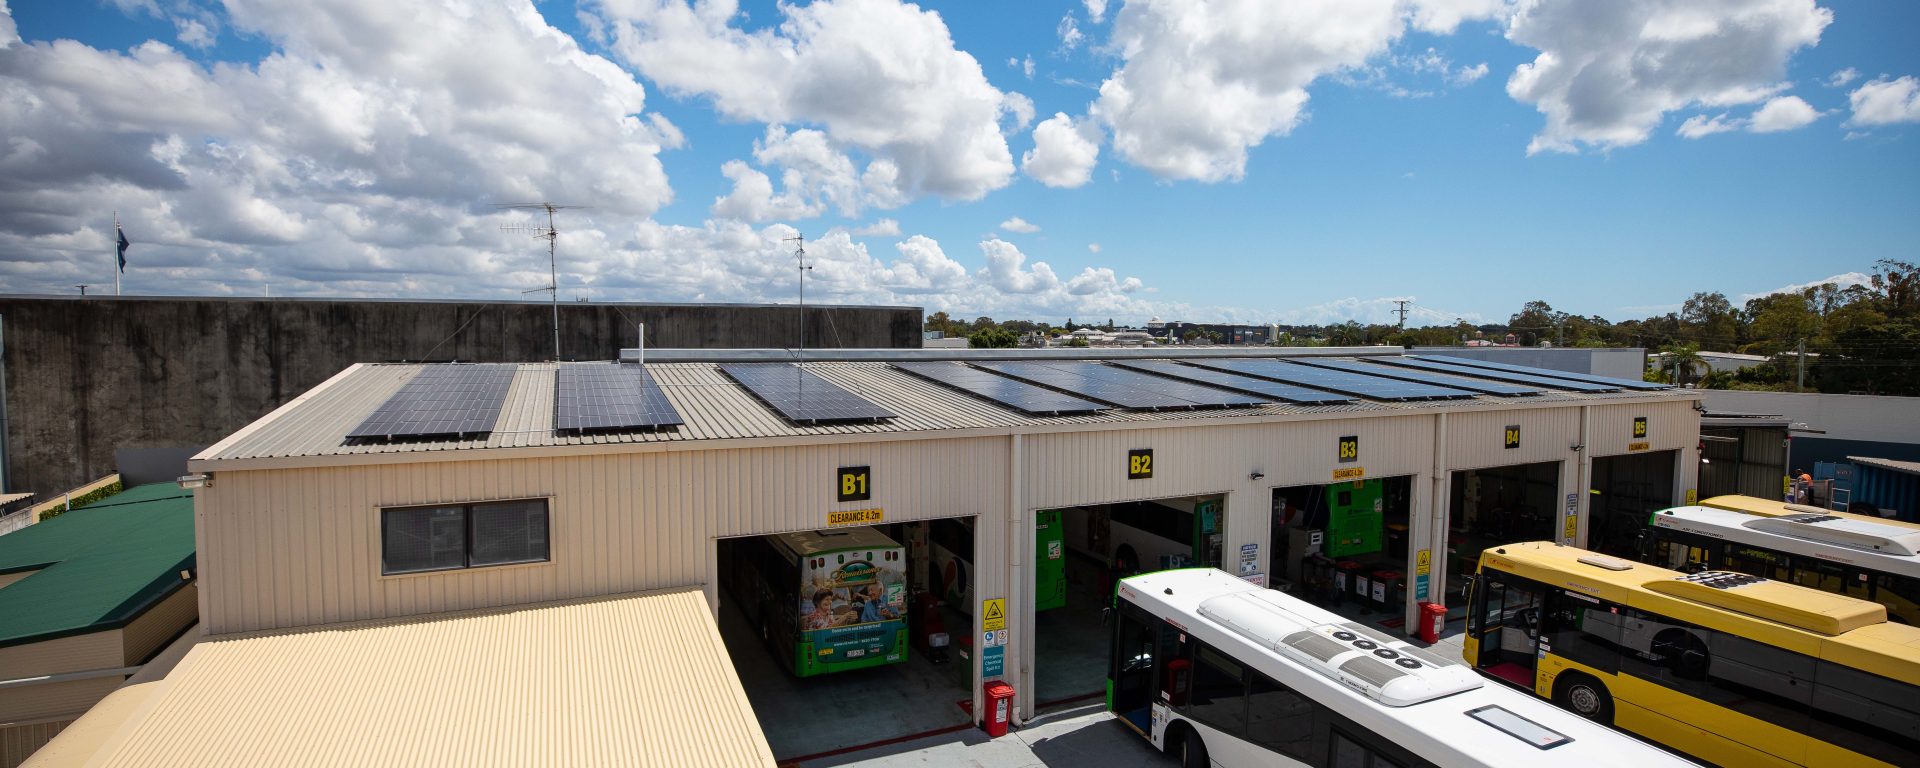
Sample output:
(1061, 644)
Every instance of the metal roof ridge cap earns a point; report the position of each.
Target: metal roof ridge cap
(664, 355)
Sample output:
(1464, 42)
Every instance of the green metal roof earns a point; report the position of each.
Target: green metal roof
(96, 567)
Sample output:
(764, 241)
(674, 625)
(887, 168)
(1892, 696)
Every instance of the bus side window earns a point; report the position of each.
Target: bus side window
(1866, 713)
(1219, 695)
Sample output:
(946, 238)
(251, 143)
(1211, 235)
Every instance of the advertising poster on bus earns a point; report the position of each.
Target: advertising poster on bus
(853, 605)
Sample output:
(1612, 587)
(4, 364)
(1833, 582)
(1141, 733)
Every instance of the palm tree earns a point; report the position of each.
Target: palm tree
(1684, 358)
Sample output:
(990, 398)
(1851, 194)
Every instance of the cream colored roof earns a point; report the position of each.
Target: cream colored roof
(715, 408)
(628, 680)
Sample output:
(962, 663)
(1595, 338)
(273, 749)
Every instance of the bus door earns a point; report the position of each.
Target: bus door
(1504, 626)
(1130, 680)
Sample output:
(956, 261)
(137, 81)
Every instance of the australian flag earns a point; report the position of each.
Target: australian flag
(123, 246)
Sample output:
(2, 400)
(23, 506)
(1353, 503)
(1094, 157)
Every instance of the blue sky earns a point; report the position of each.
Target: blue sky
(1305, 163)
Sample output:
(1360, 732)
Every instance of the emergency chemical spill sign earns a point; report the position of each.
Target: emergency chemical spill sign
(993, 614)
(993, 636)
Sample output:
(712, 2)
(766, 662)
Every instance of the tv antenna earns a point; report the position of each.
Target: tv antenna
(800, 259)
(552, 236)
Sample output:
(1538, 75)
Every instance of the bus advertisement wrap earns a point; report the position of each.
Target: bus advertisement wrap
(850, 611)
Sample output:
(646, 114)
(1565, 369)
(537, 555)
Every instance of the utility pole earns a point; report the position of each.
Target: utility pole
(1800, 378)
(799, 240)
(83, 288)
(1401, 310)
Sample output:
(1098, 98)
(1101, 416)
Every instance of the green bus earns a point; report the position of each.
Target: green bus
(823, 601)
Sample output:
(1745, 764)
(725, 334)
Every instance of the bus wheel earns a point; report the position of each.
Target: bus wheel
(1585, 696)
(1189, 749)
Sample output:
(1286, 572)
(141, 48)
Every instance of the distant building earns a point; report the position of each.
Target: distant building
(1205, 333)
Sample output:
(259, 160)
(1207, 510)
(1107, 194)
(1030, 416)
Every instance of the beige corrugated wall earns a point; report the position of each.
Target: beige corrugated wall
(19, 742)
(69, 698)
(291, 548)
(78, 653)
(147, 633)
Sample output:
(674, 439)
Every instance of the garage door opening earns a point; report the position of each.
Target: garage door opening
(1626, 491)
(1082, 551)
(1500, 505)
(814, 620)
(1344, 546)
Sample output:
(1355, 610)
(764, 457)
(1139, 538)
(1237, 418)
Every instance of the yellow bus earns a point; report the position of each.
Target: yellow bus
(1726, 667)
(1854, 555)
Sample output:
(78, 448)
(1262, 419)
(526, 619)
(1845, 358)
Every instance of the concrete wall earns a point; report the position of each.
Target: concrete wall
(87, 376)
(1620, 363)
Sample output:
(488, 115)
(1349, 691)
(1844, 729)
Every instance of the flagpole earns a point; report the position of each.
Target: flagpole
(116, 252)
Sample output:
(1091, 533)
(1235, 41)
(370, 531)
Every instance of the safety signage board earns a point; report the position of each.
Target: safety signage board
(993, 661)
(993, 614)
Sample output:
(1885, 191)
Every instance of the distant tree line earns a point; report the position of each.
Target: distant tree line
(1860, 338)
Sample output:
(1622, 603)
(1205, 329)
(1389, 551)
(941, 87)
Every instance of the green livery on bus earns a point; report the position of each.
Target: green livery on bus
(824, 601)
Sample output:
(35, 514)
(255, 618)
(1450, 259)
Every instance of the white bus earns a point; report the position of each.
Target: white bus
(1148, 535)
(1852, 555)
(1219, 672)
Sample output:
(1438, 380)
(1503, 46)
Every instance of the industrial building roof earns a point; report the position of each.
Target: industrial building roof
(639, 679)
(317, 423)
(1909, 467)
(96, 567)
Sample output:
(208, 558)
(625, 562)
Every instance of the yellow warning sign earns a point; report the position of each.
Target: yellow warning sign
(993, 615)
(1423, 565)
(1693, 495)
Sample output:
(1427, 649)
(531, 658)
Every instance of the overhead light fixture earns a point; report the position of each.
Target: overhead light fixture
(202, 480)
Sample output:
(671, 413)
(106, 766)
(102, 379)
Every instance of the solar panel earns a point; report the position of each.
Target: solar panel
(1263, 387)
(1121, 387)
(1369, 368)
(801, 396)
(1361, 385)
(609, 397)
(1484, 373)
(1015, 394)
(442, 400)
(1547, 372)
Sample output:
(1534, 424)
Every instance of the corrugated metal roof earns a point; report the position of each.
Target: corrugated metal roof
(715, 408)
(629, 680)
(1909, 467)
(96, 567)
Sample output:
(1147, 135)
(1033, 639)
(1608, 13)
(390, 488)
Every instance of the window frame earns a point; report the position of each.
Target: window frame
(466, 515)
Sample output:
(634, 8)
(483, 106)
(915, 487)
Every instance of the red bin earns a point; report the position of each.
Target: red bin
(1433, 616)
(999, 708)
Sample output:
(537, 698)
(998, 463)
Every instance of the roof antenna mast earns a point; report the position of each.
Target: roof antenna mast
(800, 259)
(552, 236)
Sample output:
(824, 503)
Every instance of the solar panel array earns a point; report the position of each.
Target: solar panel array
(800, 396)
(1485, 373)
(442, 400)
(609, 397)
(1421, 377)
(1210, 377)
(1018, 395)
(1121, 387)
(1621, 383)
(1372, 387)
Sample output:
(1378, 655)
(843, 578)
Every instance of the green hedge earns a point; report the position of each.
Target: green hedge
(83, 499)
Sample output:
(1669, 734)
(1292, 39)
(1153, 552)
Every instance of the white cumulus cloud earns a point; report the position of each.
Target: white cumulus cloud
(1096, 10)
(1783, 113)
(1201, 84)
(1843, 77)
(1885, 102)
(1017, 224)
(1064, 151)
(1609, 72)
(880, 76)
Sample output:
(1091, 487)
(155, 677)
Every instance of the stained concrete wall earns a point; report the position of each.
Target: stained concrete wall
(1618, 362)
(86, 376)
